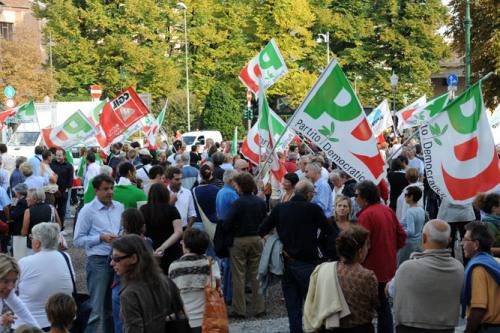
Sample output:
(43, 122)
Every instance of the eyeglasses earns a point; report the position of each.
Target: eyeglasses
(467, 240)
(117, 259)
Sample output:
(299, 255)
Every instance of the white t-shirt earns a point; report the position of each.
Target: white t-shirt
(142, 175)
(43, 274)
(184, 204)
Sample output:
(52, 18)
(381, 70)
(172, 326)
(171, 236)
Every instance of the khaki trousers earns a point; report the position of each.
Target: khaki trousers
(245, 257)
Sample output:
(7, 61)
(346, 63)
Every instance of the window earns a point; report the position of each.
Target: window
(6, 30)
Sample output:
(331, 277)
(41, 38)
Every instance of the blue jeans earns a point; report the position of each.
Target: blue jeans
(295, 283)
(384, 314)
(99, 278)
(115, 297)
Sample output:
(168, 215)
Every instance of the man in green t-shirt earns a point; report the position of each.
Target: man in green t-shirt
(126, 191)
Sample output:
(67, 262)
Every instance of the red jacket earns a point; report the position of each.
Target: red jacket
(290, 166)
(386, 237)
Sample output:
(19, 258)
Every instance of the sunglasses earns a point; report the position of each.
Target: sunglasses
(117, 259)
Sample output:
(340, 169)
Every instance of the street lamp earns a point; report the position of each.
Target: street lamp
(394, 82)
(325, 38)
(356, 78)
(183, 6)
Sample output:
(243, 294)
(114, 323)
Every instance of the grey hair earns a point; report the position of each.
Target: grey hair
(36, 194)
(47, 234)
(229, 176)
(303, 187)
(335, 174)
(185, 158)
(21, 188)
(315, 167)
(106, 170)
(434, 230)
(20, 160)
(26, 168)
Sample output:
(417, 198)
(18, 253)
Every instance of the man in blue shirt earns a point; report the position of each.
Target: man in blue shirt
(323, 195)
(37, 159)
(97, 226)
(225, 198)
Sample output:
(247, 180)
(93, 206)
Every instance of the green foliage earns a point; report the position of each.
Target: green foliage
(222, 112)
(485, 42)
(116, 43)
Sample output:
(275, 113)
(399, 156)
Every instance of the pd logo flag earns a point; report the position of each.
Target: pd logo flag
(494, 120)
(459, 153)
(331, 117)
(380, 118)
(406, 114)
(75, 130)
(120, 113)
(268, 65)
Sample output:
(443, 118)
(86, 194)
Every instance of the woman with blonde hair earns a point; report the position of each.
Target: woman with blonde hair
(343, 209)
(9, 272)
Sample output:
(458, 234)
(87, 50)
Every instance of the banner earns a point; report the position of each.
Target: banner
(331, 117)
(74, 130)
(380, 118)
(4, 115)
(121, 113)
(407, 112)
(268, 65)
(250, 146)
(494, 121)
(429, 110)
(459, 153)
(26, 113)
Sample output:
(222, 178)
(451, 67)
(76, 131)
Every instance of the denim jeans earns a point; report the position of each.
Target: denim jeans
(115, 297)
(384, 314)
(295, 283)
(99, 278)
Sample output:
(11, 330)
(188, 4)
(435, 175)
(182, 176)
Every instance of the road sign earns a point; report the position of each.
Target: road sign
(10, 103)
(9, 92)
(95, 91)
(452, 80)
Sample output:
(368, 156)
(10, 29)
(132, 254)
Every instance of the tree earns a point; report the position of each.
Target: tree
(112, 43)
(485, 42)
(222, 111)
(21, 66)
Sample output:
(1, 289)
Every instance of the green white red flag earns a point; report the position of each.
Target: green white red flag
(459, 152)
(26, 113)
(426, 112)
(74, 130)
(332, 118)
(406, 114)
(4, 115)
(265, 132)
(251, 148)
(154, 129)
(268, 66)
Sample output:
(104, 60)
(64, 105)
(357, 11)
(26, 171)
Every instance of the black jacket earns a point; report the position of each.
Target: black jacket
(65, 174)
(297, 223)
(245, 216)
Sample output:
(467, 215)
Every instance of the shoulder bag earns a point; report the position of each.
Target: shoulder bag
(209, 225)
(177, 321)
(83, 306)
(215, 318)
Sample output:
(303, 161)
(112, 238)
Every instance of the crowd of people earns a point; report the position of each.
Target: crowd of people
(157, 227)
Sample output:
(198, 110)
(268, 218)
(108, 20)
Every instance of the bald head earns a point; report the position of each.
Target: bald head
(305, 188)
(241, 165)
(436, 234)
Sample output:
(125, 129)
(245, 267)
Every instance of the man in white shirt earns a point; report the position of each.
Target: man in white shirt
(37, 160)
(181, 196)
(143, 169)
(97, 226)
(93, 169)
(414, 161)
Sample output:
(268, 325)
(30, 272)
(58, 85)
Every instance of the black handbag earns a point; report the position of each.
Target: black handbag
(83, 306)
(177, 321)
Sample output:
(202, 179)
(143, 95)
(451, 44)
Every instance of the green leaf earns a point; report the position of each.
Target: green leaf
(333, 139)
(445, 128)
(324, 131)
(332, 127)
(438, 141)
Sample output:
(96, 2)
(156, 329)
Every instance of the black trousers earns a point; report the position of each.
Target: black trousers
(61, 204)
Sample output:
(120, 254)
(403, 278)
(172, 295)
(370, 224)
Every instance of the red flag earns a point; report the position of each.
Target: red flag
(4, 115)
(122, 112)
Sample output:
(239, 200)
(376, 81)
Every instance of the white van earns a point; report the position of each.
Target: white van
(200, 137)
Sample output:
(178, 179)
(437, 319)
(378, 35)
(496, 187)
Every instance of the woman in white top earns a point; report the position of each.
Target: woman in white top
(9, 272)
(44, 273)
